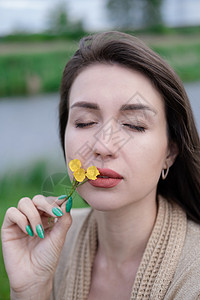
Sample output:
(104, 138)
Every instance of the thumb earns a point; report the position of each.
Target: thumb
(62, 225)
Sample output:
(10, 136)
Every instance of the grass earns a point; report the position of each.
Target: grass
(26, 73)
(29, 183)
(185, 59)
(36, 67)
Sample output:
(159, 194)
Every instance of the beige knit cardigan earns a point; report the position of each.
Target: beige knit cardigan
(169, 269)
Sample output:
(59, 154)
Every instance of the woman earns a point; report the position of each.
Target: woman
(140, 239)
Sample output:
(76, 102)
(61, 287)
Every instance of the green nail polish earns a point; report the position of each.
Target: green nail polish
(62, 197)
(29, 230)
(69, 204)
(56, 211)
(40, 231)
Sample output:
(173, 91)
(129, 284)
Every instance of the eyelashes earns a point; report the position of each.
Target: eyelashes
(82, 125)
(135, 127)
(131, 126)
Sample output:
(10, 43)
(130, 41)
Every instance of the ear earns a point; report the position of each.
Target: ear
(171, 155)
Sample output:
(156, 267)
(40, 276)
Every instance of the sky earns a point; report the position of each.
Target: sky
(181, 12)
(32, 15)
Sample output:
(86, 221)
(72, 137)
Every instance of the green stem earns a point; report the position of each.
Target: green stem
(75, 184)
(72, 190)
(83, 182)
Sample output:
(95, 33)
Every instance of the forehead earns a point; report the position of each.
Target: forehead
(112, 86)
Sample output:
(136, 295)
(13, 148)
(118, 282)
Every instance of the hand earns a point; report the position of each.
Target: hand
(31, 261)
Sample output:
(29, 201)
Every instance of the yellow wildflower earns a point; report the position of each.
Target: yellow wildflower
(79, 174)
(74, 165)
(92, 173)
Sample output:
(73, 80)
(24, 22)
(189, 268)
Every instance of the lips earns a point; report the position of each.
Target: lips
(107, 179)
(109, 173)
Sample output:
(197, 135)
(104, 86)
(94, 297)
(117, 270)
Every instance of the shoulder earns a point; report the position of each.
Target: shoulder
(191, 249)
(186, 283)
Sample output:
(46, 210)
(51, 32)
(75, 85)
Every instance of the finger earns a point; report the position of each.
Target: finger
(60, 229)
(27, 207)
(60, 201)
(48, 222)
(56, 200)
(14, 216)
(47, 205)
(67, 205)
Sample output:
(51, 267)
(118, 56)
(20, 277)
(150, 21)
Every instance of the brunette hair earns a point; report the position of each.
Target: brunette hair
(182, 184)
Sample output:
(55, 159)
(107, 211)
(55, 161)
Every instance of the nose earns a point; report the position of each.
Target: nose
(105, 142)
(103, 150)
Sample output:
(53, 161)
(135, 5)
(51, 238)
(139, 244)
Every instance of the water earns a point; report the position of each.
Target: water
(193, 91)
(29, 129)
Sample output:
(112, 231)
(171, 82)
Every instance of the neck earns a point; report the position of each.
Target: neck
(123, 234)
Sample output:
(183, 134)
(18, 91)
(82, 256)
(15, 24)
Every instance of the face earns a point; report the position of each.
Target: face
(117, 121)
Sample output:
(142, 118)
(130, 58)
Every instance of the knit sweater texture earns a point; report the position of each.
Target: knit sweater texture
(169, 269)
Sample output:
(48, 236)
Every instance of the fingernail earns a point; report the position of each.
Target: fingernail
(62, 197)
(56, 211)
(40, 231)
(29, 230)
(69, 204)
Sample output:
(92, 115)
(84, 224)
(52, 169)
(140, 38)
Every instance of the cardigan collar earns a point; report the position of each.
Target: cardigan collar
(158, 264)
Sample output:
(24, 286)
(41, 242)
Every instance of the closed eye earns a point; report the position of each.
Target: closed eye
(82, 125)
(135, 127)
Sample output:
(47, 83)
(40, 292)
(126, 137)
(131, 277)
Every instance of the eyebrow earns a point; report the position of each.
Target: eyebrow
(136, 106)
(87, 105)
(124, 107)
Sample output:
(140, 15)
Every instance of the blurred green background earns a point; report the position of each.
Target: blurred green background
(29, 182)
(32, 64)
(29, 65)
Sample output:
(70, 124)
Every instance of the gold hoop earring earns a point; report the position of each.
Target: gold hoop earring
(165, 173)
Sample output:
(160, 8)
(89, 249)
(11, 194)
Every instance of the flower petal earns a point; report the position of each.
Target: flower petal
(79, 175)
(92, 173)
(74, 165)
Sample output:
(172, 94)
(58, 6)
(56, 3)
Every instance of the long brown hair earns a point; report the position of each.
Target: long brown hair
(182, 184)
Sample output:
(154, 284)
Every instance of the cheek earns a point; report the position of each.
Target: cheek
(147, 152)
(77, 144)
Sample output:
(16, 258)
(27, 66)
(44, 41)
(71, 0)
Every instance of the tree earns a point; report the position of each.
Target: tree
(59, 21)
(135, 13)
(152, 12)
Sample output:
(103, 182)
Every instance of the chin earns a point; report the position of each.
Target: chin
(103, 207)
(102, 203)
(100, 199)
